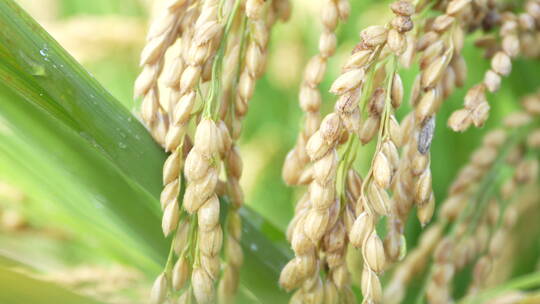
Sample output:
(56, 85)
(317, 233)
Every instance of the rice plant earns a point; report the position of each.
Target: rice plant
(269, 151)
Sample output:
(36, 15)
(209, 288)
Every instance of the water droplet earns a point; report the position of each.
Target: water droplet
(122, 145)
(44, 52)
(34, 68)
(137, 137)
(253, 247)
(129, 119)
(91, 140)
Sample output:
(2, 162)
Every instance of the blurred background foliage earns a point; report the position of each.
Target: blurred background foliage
(106, 37)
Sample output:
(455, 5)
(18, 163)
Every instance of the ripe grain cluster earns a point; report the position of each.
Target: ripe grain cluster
(194, 102)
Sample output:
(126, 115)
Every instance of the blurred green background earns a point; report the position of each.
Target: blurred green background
(106, 37)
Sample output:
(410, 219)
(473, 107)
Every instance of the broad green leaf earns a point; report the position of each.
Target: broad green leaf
(73, 147)
(66, 168)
